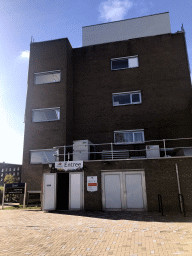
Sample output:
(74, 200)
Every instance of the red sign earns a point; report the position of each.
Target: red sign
(92, 184)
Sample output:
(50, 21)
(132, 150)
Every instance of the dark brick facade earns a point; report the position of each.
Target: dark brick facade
(84, 96)
(160, 178)
(162, 76)
(47, 56)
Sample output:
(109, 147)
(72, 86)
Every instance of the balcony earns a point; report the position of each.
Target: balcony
(86, 151)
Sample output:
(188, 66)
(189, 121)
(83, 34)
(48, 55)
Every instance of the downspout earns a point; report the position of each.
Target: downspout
(179, 188)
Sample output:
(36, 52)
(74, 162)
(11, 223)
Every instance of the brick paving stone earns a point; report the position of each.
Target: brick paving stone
(25, 232)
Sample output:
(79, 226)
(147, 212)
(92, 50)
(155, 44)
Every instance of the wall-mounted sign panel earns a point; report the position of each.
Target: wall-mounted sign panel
(92, 184)
(69, 165)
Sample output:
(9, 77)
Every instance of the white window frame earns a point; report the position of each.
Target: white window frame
(127, 57)
(47, 72)
(41, 150)
(131, 131)
(130, 93)
(41, 109)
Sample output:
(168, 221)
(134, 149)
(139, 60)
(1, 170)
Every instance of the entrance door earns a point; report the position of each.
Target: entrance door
(76, 191)
(62, 191)
(49, 192)
(123, 190)
(70, 191)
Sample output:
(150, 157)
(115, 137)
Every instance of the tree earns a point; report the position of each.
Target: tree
(9, 179)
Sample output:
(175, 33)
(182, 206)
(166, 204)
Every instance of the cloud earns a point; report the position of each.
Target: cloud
(113, 10)
(25, 54)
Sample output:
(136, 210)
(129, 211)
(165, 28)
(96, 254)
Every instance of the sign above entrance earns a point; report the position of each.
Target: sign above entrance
(69, 165)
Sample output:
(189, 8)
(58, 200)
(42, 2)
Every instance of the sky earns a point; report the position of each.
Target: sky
(52, 19)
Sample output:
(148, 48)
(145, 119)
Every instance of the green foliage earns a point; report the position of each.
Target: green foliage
(9, 179)
(18, 207)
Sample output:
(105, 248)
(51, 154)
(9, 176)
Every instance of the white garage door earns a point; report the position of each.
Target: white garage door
(113, 191)
(134, 191)
(123, 190)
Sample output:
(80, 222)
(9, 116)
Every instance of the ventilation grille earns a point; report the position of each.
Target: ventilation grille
(117, 154)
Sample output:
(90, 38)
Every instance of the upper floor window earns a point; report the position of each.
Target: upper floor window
(129, 137)
(47, 77)
(10, 169)
(17, 168)
(45, 114)
(126, 98)
(124, 62)
(2, 170)
(43, 156)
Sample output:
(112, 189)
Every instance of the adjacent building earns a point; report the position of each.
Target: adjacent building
(13, 169)
(121, 103)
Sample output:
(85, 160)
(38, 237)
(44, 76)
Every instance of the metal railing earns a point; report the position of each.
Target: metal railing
(145, 149)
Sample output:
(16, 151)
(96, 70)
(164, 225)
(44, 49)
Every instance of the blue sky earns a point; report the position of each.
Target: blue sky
(47, 20)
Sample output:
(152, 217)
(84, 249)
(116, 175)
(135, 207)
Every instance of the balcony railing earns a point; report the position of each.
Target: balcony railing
(111, 151)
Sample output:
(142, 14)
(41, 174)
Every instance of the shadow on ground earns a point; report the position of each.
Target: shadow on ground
(132, 216)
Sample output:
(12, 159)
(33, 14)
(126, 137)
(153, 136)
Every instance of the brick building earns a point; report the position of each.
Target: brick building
(126, 96)
(13, 169)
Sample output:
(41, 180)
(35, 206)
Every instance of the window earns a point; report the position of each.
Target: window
(1, 179)
(124, 62)
(47, 77)
(45, 114)
(129, 137)
(126, 98)
(14, 174)
(17, 173)
(6, 169)
(10, 169)
(1, 174)
(2, 170)
(17, 168)
(14, 169)
(43, 156)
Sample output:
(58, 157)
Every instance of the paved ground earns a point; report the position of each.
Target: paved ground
(29, 232)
